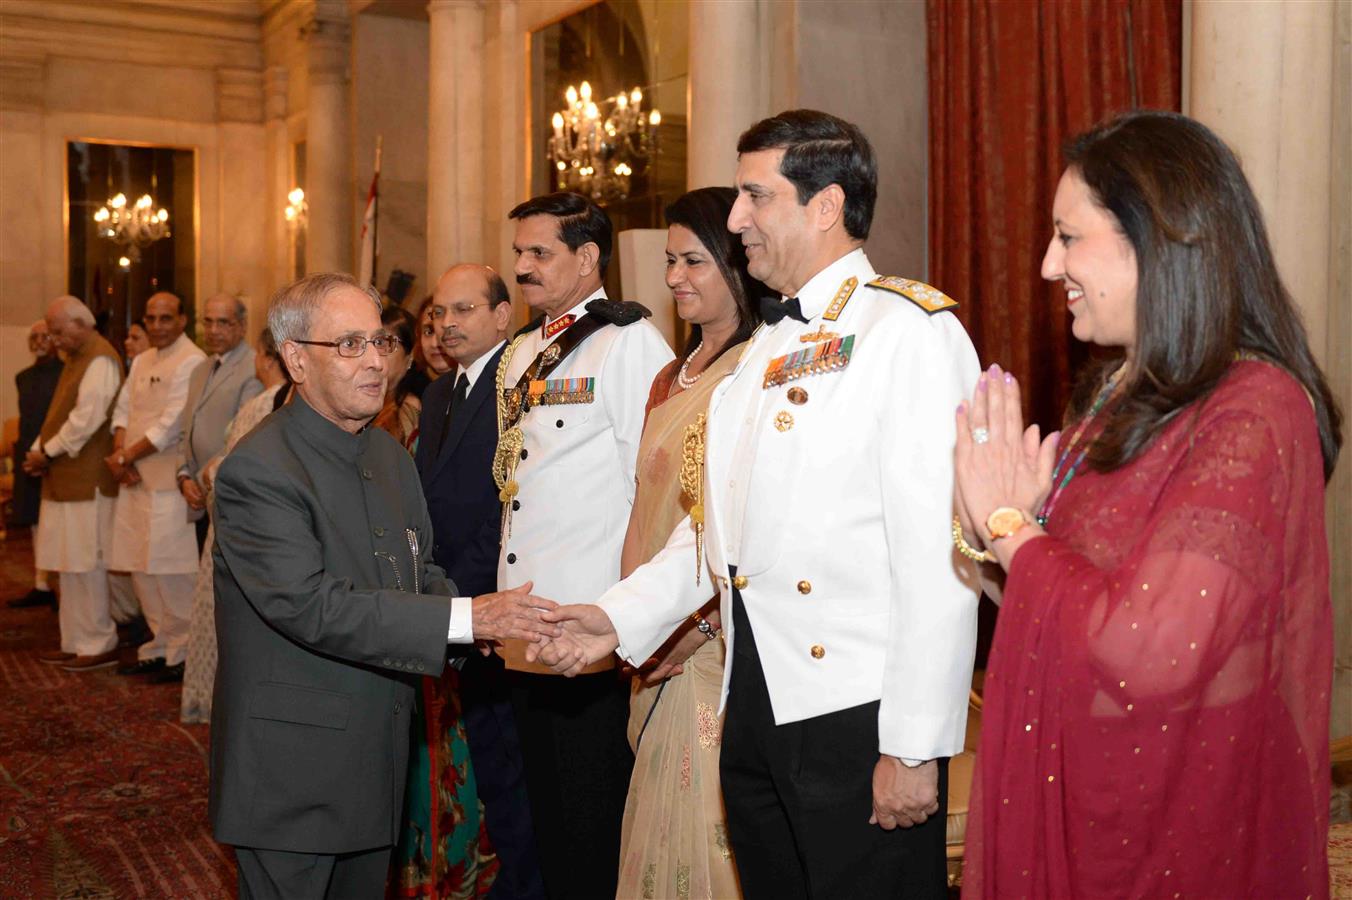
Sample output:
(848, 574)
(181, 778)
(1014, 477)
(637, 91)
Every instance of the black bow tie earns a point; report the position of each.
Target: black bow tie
(773, 309)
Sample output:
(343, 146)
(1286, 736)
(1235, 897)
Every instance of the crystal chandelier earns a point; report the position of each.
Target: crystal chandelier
(133, 227)
(597, 157)
(297, 210)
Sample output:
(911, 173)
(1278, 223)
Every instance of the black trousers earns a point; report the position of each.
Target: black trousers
(495, 750)
(799, 797)
(200, 527)
(577, 763)
(282, 875)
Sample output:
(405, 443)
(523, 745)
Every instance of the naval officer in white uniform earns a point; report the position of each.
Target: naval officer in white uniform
(828, 482)
(577, 379)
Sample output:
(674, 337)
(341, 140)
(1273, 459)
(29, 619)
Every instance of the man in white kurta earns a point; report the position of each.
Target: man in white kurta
(152, 536)
(850, 621)
(75, 516)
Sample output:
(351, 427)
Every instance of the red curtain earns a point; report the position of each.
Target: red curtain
(1009, 82)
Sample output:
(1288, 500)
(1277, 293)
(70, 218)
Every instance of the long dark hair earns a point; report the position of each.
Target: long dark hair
(705, 212)
(400, 323)
(1207, 285)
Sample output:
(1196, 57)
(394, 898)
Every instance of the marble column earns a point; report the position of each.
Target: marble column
(329, 237)
(1263, 75)
(244, 235)
(720, 110)
(278, 170)
(455, 129)
(30, 236)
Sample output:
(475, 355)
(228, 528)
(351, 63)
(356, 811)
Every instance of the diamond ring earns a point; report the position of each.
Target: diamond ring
(980, 435)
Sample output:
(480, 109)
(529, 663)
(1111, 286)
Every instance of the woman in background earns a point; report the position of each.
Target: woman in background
(199, 673)
(403, 381)
(431, 356)
(443, 850)
(136, 341)
(674, 841)
(1157, 698)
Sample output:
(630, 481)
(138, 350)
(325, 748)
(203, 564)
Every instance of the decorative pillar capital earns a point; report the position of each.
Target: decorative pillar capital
(275, 96)
(23, 81)
(435, 7)
(326, 48)
(239, 95)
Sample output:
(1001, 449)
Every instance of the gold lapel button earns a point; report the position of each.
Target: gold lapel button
(797, 396)
(804, 587)
(740, 582)
(783, 420)
(818, 651)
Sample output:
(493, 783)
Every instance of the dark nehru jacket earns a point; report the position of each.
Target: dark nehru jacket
(327, 608)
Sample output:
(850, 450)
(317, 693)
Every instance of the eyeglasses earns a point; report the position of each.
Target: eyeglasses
(456, 310)
(353, 346)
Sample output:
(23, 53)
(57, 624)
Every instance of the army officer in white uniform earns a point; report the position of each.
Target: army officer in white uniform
(574, 385)
(828, 504)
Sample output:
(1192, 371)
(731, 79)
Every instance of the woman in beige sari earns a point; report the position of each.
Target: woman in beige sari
(675, 841)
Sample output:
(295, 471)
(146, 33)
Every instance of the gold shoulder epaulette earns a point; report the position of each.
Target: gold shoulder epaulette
(931, 300)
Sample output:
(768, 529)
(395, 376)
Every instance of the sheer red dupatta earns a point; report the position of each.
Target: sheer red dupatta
(1157, 699)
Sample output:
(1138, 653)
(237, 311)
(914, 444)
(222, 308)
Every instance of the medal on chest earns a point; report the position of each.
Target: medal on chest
(828, 356)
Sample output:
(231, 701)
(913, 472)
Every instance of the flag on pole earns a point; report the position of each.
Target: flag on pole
(369, 248)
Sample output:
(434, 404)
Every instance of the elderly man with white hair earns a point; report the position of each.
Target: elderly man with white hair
(328, 605)
(35, 386)
(216, 392)
(78, 492)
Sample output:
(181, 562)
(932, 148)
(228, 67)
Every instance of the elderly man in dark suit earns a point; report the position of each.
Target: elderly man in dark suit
(36, 385)
(327, 606)
(216, 391)
(472, 310)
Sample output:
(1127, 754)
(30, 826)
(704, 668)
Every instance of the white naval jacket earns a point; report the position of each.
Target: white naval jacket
(576, 475)
(841, 522)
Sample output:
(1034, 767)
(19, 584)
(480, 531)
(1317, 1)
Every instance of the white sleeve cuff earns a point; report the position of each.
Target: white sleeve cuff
(461, 630)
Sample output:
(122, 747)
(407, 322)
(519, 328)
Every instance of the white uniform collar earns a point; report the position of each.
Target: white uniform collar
(576, 312)
(821, 288)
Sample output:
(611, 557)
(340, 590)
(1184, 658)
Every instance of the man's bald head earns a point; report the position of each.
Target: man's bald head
(69, 322)
(471, 311)
(167, 297)
(223, 323)
(164, 319)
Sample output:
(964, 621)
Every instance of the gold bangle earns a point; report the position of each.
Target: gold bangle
(966, 549)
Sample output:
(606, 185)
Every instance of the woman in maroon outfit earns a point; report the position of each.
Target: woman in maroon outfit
(1157, 697)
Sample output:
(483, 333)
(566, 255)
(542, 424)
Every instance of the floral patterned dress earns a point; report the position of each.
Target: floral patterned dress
(674, 842)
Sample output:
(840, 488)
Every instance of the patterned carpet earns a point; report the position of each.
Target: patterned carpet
(103, 794)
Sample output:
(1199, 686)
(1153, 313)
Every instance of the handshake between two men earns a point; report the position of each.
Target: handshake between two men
(565, 638)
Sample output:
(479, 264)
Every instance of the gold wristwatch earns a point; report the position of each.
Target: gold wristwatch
(1005, 522)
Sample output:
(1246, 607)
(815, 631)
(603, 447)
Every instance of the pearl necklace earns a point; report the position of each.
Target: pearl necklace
(684, 380)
